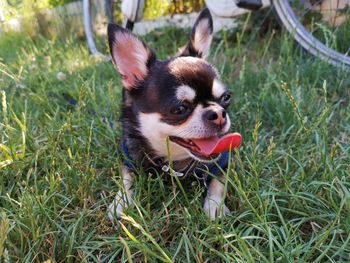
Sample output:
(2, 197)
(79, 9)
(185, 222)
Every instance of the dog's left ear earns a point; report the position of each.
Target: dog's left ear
(201, 37)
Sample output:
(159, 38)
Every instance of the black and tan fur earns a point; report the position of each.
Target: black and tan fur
(181, 97)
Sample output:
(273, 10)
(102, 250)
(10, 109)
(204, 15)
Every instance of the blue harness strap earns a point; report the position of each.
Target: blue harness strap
(222, 163)
(213, 169)
(127, 160)
(205, 174)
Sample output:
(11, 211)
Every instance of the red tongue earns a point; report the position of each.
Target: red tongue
(212, 145)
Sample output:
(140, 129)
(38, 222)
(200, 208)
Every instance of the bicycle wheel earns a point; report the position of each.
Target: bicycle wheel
(97, 14)
(320, 26)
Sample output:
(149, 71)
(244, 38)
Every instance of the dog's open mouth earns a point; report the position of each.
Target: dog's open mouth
(198, 147)
(210, 147)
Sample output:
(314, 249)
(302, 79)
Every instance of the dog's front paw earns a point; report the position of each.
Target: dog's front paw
(117, 207)
(213, 208)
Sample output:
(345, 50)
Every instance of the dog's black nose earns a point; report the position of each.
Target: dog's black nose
(218, 117)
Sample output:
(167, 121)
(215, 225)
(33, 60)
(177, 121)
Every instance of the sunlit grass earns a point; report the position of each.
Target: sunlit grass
(288, 188)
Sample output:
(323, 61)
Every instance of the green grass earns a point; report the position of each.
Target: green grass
(288, 188)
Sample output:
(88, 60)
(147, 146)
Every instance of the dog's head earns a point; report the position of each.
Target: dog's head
(182, 98)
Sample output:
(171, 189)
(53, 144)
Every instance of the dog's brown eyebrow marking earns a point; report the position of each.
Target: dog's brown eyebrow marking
(189, 65)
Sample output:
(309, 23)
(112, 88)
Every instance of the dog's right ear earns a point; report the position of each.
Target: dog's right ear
(131, 57)
(201, 36)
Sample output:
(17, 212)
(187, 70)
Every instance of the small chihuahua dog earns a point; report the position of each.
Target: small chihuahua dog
(170, 111)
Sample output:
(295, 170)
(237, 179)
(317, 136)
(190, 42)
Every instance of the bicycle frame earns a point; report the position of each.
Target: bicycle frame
(229, 9)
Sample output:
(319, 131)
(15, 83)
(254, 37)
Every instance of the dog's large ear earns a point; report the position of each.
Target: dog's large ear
(131, 57)
(201, 36)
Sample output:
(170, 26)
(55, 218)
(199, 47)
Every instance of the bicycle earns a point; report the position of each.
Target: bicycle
(322, 27)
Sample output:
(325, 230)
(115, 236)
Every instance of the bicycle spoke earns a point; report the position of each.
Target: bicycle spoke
(327, 20)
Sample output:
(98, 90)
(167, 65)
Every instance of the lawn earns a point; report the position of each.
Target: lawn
(288, 187)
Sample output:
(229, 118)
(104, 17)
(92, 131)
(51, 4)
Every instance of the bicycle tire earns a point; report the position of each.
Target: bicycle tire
(304, 38)
(88, 28)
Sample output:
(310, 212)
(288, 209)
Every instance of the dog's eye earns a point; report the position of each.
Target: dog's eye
(226, 98)
(180, 110)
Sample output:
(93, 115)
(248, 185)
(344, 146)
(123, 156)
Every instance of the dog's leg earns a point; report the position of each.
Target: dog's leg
(215, 196)
(124, 197)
